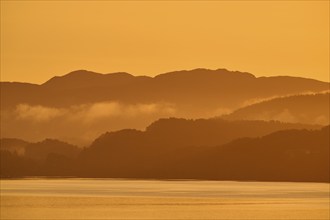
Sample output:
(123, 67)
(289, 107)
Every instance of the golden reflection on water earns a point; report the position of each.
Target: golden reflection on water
(134, 199)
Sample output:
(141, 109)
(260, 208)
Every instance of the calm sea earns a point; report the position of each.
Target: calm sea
(152, 199)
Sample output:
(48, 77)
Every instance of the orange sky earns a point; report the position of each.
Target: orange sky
(41, 39)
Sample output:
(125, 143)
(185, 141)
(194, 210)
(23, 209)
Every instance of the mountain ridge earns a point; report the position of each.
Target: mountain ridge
(285, 155)
(83, 72)
(121, 100)
(305, 108)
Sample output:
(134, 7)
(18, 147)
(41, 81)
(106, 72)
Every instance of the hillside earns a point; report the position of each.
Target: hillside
(309, 109)
(199, 86)
(177, 148)
(81, 105)
(13, 145)
(280, 155)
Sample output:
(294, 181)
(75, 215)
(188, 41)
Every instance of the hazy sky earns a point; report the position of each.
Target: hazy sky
(41, 39)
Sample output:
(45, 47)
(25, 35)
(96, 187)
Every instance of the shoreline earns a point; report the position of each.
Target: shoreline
(152, 179)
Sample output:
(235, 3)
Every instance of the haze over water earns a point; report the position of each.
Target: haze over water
(153, 199)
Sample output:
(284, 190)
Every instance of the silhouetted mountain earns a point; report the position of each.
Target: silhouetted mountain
(12, 165)
(47, 158)
(81, 105)
(13, 145)
(201, 88)
(41, 150)
(116, 153)
(289, 155)
(86, 79)
(13, 93)
(210, 132)
(309, 109)
(286, 155)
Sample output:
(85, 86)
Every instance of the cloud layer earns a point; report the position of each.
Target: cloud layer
(90, 113)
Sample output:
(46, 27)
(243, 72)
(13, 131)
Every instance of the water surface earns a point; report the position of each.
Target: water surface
(152, 199)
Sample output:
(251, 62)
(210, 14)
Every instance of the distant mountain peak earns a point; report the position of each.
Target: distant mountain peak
(50, 140)
(74, 75)
(81, 72)
(203, 72)
(123, 74)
